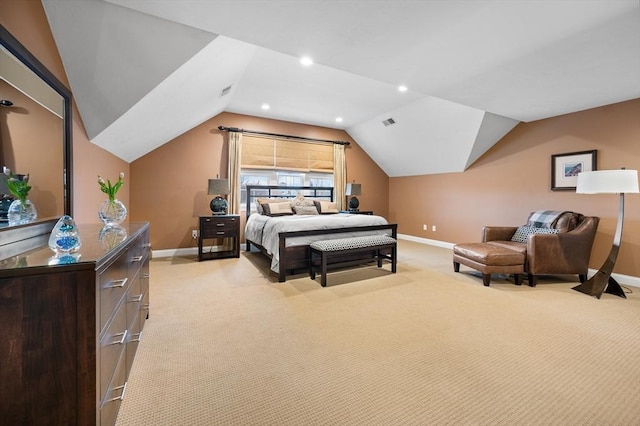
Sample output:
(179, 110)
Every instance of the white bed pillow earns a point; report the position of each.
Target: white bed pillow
(306, 210)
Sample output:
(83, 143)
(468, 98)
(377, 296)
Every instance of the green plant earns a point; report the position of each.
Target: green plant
(18, 187)
(108, 188)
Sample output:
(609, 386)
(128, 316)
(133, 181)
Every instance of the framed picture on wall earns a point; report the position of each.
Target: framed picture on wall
(565, 168)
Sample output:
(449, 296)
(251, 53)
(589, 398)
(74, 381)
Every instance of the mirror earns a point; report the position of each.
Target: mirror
(35, 133)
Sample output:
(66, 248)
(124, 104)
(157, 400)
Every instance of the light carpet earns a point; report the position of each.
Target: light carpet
(226, 344)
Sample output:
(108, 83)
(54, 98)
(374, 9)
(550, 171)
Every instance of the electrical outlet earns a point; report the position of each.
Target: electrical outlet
(194, 234)
(424, 227)
(433, 228)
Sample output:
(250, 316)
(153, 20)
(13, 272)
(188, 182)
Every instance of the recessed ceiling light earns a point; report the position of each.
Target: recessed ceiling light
(402, 88)
(265, 106)
(338, 119)
(306, 61)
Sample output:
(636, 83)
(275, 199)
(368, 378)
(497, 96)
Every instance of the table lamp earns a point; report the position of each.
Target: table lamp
(353, 189)
(218, 187)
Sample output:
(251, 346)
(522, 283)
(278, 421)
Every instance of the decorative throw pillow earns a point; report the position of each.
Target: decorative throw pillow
(277, 209)
(301, 201)
(523, 232)
(326, 207)
(261, 201)
(306, 210)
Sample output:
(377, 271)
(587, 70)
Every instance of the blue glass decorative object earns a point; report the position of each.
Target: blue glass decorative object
(65, 237)
(64, 259)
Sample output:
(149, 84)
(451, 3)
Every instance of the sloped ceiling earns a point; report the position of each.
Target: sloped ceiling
(145, 71)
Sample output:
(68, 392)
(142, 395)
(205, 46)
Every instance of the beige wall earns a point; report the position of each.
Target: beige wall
(169, 185)
(27, 22)
(513, 178)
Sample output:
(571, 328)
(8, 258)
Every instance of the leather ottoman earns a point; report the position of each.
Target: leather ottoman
(489, 259)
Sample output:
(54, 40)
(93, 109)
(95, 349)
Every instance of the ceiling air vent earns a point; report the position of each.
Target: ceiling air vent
(225, 91)
(389, 122)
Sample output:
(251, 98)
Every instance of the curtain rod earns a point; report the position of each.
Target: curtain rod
(235, 129)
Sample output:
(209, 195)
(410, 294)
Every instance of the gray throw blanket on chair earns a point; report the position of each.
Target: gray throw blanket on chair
(544, 218)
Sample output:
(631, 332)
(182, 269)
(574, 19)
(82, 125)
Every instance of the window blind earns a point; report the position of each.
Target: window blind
(286, 154)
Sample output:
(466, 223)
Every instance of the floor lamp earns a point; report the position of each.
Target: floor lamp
(607, 182)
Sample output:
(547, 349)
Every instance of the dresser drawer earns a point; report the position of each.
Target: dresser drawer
(114, 283)
(212, 227)
(133, 301)
(115, 394)
(137, 255)
(112, 345)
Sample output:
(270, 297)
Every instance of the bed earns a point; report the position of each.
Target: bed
(285, 239)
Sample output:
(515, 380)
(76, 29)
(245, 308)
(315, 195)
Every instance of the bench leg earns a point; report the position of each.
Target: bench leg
(312, 272)
(486, 279)
(379, 258)
(456, 267)
(323, 278)
(518, 278)
(394, 258)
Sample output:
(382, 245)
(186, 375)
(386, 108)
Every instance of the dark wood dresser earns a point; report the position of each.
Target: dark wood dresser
(70, 327)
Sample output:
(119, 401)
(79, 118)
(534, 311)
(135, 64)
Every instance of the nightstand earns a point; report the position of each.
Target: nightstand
(357, 211)
(223, 228)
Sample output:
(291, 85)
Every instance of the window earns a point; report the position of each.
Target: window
(280, 178)
(269, 161)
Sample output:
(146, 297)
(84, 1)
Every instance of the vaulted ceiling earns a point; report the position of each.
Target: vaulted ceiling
(145, 71)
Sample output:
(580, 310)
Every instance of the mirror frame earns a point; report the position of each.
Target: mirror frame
(9, 42)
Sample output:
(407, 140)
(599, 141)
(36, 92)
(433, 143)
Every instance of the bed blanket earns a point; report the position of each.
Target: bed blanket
(264, 230)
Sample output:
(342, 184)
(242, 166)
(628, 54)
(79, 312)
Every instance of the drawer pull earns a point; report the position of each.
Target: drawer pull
(220, 233)
(144, 307)
(147, 275)
(122, 339)
(136, 299)
(136, 258)
(136, 337)
(219, 224)
(121, 397)
(117, 283)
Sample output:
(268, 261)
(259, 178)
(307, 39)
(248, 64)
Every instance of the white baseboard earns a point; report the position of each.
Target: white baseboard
(157, 254)
(622, 279)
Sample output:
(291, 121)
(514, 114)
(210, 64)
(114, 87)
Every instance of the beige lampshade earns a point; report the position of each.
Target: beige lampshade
(608, 182)
(353, 189)
(218, 187)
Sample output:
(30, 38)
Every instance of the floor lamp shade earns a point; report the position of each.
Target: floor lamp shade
(352, 190)
(218, 187)
(607, 182)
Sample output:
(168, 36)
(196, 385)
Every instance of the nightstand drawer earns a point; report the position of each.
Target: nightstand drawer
(212, 227)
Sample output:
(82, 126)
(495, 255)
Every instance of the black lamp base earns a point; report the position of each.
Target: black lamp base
(601, 282)
(218, 205)
(353, 204)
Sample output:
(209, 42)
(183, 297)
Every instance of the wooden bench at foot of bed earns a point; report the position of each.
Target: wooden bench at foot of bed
(338, 252)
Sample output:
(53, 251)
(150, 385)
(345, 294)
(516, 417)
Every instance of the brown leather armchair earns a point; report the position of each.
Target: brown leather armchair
(566, 252)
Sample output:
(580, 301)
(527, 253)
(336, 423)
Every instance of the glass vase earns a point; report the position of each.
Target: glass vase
(21, 212)
(112, 212)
